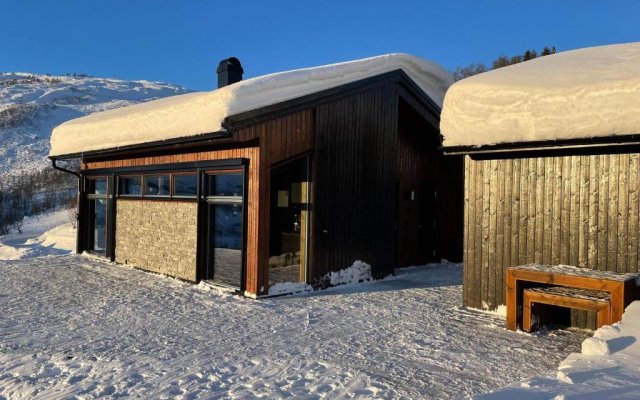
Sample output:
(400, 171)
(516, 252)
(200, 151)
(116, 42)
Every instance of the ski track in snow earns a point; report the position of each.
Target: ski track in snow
(76, 327)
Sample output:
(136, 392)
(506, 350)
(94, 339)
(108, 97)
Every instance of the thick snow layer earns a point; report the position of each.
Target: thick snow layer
(607, 368)
(585, 93)
(199, 113)
(32, 105)
(45, 234)
(75, 327)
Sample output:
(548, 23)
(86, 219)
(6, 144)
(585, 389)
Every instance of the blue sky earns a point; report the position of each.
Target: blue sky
(182, 41)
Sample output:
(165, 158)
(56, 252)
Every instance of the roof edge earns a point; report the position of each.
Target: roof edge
(538, 146)
(247, 118)
(204, 137)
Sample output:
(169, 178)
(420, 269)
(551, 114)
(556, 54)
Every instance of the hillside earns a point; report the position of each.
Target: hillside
(31, 105)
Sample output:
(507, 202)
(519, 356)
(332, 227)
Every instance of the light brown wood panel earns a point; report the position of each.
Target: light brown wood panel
(577, 209)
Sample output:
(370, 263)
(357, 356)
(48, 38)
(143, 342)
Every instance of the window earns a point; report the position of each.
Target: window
(97, 186)
(185, 185)
(227, 184)
(97, 208)
(156, 185)
(129, 186)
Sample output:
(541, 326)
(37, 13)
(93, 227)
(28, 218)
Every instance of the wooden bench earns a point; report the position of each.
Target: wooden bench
(621, 287)
(581, 299)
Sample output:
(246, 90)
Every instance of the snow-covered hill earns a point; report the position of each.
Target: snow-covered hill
(31, 105)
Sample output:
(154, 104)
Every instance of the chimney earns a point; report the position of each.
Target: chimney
(229, 71)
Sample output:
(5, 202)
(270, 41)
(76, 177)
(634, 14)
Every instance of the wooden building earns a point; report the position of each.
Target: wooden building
(552, 167)
(281, 178)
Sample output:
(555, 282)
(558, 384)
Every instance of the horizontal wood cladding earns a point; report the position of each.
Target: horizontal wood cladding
(576, 209)
(355, 158)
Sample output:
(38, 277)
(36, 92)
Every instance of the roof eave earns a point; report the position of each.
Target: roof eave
(199, 139)
(537, 146)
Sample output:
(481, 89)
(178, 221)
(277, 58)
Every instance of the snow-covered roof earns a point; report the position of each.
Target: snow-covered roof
(204, 112)
(585, 93)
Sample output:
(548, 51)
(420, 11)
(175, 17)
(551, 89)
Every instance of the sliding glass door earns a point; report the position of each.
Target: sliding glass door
(225, 227)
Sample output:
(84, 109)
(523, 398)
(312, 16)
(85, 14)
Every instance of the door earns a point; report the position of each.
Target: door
(289, 219)
(427, 223)
(225, 227)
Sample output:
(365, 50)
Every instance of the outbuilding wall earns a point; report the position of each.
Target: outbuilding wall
(576, 209)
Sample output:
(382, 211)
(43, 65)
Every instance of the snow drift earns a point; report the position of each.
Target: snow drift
(608, 367)
(585, 93)
(204, 112)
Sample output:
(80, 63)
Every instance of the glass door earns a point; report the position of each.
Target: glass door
(225, 227)
(289, 222)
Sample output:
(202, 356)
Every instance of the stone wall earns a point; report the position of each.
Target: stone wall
(157, 236)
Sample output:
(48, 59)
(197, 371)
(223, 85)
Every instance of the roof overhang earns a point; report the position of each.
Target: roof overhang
(621, 141)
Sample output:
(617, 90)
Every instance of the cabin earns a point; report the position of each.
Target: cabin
(551, 167)
(282, 178)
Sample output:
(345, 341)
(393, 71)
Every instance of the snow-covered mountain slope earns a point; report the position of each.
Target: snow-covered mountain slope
(32, 105)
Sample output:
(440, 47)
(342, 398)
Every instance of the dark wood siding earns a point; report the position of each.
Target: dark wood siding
(576, 209)
(430, 187)
(355, 181)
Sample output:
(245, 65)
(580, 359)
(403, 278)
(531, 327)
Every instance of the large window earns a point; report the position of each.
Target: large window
(225, 216)
(97, 190)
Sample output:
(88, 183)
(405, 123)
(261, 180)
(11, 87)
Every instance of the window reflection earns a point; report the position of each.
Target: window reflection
(289, 223)
(156, 185)
(185, 185)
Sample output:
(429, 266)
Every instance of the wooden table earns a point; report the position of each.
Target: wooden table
(622, 287)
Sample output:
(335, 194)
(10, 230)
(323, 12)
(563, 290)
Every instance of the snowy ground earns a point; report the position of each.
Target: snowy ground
(73, 326)
(41, 235)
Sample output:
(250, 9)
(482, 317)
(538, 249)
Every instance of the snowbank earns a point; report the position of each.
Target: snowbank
(585, 93)
(358, 272)
(198, 113)
(608, 367)
(51, 233)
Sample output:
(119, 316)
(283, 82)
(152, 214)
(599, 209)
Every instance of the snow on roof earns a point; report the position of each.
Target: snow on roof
(203, 112)
(585, 93)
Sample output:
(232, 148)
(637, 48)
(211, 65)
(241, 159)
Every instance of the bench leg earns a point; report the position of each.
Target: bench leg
(604, 316)
(526, 314)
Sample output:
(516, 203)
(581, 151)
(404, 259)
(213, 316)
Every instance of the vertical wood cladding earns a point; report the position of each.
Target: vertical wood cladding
(430, 187)
(354, 205)
(281, 139)
(576, 209)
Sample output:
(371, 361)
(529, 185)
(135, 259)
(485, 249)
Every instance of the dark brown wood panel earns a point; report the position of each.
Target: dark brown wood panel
(355, 181)
(576, 209)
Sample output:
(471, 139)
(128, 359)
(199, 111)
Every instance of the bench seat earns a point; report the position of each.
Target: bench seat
(581, 299)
